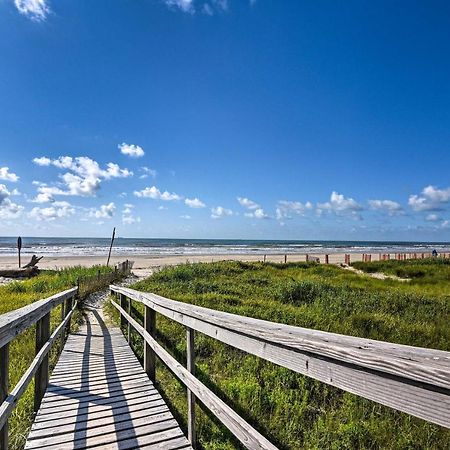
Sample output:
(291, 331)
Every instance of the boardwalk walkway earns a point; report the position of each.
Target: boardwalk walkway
(100, 397)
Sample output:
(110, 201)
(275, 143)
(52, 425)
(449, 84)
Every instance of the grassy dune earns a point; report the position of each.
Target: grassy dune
(22, 349)
(292, 410)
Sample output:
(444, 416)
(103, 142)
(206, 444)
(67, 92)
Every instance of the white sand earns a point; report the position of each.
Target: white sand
(144, 264)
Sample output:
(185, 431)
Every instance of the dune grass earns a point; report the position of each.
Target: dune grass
(294, 411)
(22, 349)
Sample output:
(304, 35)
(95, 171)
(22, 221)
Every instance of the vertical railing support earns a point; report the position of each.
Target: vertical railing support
(123, 300)
(63, 316)
(41, 377)
(4, 386)
(129, 324)
(190, 365)
(67, 309)
(149, 354)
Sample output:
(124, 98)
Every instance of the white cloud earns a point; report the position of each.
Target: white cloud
(154, 193)
(131, 150)
(61, 211)
(6, 175)
(431, 199)
(83, 178)
(445, 224)
(148, 172)
(36, 10)
(127, 215)
(247, 203)
(389, 206)
(340, 205)
(8, 209)
(432, 218)
(194, 203)
(219, 212)
(285, 209)
(104, 212)
(185, 216)
(260, 214)
(42, 161)
(184, 5)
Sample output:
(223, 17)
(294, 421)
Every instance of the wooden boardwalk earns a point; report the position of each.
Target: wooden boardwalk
(100, 397)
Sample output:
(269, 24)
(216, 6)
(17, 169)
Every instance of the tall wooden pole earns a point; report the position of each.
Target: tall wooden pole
(19, 248)
(110, 247)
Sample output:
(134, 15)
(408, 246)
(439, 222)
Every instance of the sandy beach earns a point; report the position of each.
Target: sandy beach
(145, 264)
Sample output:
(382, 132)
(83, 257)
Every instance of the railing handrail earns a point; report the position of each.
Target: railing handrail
(414, 380)
(16, 322)
(417, 363)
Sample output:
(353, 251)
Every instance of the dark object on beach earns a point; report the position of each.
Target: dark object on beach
(434, 253)
(110, 247)
(33, 262)
(19, 248)
(20, 273)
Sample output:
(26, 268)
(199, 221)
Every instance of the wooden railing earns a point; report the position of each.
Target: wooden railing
(13, 324)
(409, 379)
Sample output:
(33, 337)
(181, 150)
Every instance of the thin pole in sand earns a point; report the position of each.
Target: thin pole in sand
(19, 248)
(110, 247)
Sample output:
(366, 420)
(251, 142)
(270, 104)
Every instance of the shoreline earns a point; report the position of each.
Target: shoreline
(146, 264)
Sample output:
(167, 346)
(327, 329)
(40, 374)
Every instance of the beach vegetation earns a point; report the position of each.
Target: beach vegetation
(292, 410)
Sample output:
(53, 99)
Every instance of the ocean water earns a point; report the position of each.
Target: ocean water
(190, 247)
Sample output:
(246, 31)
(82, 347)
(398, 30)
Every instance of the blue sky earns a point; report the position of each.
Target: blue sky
(225, 119)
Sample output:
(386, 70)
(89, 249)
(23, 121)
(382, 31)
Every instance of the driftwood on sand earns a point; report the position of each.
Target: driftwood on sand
(27, 271)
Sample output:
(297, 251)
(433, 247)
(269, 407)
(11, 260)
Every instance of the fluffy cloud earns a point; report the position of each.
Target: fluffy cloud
(104, 212)
(131, 150)
(127, 215)
(184, 5)
(219, 212)
(185, 216)
(247, 203)
(431, 199)
(340, 205)
(154, 193)
(194, 203)
(257, 214)
(83, 178)
(285, 209)
(36, 10)
(8, 209)
(6, 175)
(388, 206)
(59, 210)
(42, 161)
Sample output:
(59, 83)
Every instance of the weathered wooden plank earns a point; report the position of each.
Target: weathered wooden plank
(100, 401)
(246, 434)
(77, 423)
(17, 321)
(10, 402)
(87, 436)
(84, 412)
(419, 364)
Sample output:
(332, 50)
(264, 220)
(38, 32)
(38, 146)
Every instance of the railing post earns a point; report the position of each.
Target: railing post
(63, 316)
(129, 324)
(67, 309)
(149, 354)
(41, 377)
(190, 365)
(4, 386)
(123, 300)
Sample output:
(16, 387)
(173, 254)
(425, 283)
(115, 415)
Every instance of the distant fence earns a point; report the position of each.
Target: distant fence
(409, 379)
(93, 283)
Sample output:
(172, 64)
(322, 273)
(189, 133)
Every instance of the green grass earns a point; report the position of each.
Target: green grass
(294, 411)
(22, 349)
